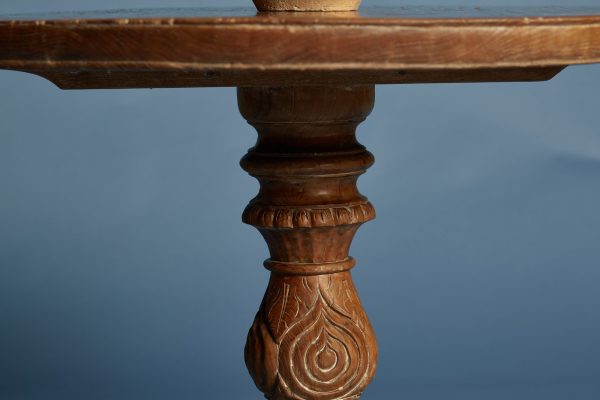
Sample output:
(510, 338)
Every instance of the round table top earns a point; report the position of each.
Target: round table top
(238, 47)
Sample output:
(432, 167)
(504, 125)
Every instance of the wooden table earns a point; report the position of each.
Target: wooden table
(305, 81)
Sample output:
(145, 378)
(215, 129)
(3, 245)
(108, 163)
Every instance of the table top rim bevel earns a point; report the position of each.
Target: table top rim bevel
(296, 48)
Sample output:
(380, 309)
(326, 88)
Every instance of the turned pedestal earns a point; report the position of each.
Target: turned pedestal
(311, 338)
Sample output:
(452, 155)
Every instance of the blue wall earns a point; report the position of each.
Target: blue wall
(125, 272)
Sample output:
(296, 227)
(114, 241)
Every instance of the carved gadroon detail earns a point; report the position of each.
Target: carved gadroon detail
(283, 217)
(311, 339)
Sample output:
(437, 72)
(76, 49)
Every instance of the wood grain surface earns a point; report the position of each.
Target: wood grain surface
(196, 47)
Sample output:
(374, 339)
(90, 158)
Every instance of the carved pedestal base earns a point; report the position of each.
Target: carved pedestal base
(311, 339)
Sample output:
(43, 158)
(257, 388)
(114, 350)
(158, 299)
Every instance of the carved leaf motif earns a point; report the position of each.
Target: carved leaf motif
(291, 302)
(285, 308)
(311, 340)
(261, 356)
(324, 356)
(340, 295)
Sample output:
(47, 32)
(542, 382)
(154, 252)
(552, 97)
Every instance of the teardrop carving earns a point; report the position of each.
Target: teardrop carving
(323, 343)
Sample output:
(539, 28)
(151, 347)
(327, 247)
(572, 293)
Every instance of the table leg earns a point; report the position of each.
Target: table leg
(311, 338)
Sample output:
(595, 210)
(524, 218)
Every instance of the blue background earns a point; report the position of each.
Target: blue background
(126, 273)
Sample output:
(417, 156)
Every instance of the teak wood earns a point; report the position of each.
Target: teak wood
(305, 81)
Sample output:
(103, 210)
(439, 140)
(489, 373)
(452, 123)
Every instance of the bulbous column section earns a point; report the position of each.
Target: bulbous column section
(311, 339)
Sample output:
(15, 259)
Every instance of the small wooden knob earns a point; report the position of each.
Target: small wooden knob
(307, 5)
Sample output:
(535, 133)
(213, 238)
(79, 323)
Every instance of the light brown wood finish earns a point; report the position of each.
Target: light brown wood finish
(311, 338)
(236, 48)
